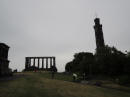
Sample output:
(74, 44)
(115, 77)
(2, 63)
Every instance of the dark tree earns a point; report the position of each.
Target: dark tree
(81, 63)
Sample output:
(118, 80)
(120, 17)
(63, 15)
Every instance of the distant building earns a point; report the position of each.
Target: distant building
(43, 63)
(4, 62)
(98, 35)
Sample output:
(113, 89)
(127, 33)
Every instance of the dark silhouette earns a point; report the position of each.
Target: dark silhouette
(107, 61)
(4, 62)
(32, 67)
(15, 71)
(99, 35)
(81, 63)
(53, 71)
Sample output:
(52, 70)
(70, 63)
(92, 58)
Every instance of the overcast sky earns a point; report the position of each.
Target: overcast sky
(61, 28)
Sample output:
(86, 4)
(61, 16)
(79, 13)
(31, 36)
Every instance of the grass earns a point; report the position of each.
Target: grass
(58, 76)
(41, 85)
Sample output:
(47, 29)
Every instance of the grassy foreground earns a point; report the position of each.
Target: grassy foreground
(40, 85)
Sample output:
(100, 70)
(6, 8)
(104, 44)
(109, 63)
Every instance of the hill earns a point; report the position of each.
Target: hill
(31, 84)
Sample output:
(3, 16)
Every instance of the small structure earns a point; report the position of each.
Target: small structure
(4, 62)
(42, 63)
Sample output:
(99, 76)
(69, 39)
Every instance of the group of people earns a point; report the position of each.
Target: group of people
(75, 77)
(54, 70)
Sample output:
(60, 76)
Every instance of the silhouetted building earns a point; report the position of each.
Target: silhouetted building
(98, 35)
(44, 62)
(4, 62)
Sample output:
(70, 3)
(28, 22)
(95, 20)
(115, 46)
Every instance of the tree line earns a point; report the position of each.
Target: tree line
(106, 61)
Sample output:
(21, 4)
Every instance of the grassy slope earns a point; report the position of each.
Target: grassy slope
(37, 85)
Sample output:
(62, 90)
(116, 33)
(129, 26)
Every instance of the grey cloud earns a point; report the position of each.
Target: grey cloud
(60, 27)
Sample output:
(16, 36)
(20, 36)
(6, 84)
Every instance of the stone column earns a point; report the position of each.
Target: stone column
(26, 63)
(54, 63)
(38, 63)
(42, 63)
(46, 63)
(34, 62)
(29, 62)
(50, 62)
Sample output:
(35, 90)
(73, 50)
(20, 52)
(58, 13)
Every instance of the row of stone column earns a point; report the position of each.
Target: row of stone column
(28, 62)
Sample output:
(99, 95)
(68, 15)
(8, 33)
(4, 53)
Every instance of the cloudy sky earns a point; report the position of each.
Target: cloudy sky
(61, 27)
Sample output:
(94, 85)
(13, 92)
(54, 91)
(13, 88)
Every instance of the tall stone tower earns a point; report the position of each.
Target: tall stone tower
(98, 35)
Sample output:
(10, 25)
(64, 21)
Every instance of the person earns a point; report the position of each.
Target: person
(53, 70)
(74, 77)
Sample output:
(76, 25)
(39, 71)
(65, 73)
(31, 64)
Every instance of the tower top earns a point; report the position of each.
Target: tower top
(97, 21)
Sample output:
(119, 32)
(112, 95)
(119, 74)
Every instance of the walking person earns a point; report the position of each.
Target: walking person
(53, 71)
